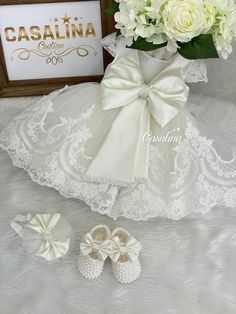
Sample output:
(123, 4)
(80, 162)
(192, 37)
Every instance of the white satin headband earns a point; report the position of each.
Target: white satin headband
(47, 235)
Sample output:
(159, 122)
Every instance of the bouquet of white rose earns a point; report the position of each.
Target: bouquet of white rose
(196, 28)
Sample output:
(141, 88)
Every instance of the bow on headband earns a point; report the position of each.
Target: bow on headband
(50, 237)
(123, 157)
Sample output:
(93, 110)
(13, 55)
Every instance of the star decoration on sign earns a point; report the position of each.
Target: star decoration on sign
(76, 18)
(66, 19)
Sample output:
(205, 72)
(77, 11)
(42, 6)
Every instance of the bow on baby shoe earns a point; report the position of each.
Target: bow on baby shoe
(49, 233)
(123, 157)
(89, 245)
(131, 248)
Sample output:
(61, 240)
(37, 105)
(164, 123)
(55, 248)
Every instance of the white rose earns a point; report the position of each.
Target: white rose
(183, 19)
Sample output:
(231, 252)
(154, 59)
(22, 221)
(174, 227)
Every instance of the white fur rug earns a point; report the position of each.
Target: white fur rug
(188, 265)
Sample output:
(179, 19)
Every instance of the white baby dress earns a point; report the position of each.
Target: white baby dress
(128, 146)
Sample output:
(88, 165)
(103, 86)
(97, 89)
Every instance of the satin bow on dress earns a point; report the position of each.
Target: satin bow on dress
(123, 157)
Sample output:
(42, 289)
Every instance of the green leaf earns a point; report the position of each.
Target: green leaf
(200, 47)
(118, 32)
(142, 44)
(113, 9)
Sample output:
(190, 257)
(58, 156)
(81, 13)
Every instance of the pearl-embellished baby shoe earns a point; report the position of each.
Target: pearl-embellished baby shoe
(125, 256)
(94, 249)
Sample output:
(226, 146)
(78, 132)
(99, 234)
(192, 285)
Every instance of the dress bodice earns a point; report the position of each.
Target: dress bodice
(152, 62)
(151, 66)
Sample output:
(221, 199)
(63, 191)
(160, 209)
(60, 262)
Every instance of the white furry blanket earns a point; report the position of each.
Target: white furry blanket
(188, 265)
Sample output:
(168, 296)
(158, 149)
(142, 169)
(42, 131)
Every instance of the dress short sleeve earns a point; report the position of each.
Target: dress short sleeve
(110, 43)
(197, 72)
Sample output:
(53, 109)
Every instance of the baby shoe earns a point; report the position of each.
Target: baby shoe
(94, 249)
(125, 256)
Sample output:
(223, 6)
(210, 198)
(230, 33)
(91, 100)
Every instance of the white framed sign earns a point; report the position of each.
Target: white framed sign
(42, 40)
